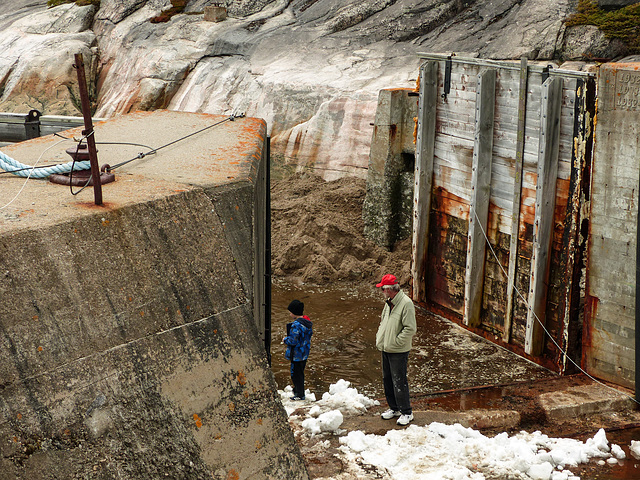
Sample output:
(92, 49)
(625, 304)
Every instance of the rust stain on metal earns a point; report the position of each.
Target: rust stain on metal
(448, 254)
(447, 251)
(590, 314)
(493, 221)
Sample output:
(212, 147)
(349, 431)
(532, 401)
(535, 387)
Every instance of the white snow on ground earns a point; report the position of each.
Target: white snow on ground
(635, 447)
(438, 451)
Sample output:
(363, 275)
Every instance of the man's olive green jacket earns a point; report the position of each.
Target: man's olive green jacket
(397, 325)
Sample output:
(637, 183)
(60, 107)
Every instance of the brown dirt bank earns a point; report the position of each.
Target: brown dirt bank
(316, 234)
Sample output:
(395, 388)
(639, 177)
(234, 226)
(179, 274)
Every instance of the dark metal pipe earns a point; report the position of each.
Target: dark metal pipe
(447, 78)
(267, 255)
(88, 131)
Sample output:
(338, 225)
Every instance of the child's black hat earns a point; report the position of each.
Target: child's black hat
(296, 307)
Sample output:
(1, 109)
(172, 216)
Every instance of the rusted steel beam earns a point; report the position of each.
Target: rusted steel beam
(575, 225)
(425, 144)
(517, 198)
(545, 212)
(480, 195)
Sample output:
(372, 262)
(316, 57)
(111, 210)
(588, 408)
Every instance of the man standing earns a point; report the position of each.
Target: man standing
(397, 328)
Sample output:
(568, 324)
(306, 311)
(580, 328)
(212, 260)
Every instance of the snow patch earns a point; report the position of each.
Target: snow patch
(439, 451)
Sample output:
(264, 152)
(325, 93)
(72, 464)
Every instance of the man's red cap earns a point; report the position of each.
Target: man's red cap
(387, 280)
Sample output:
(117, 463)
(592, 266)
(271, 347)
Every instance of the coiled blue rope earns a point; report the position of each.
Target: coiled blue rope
(20, 169)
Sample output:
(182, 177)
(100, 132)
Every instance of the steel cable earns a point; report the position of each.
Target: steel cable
(155, 150)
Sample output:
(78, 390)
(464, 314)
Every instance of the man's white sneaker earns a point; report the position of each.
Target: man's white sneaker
(389, 414)
(405, 419)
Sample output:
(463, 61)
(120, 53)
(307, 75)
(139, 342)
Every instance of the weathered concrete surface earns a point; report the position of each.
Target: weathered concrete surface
(481, 419)
(584, 400)
(559, 405)
(128, 346)
(388, 206)
(609, 332)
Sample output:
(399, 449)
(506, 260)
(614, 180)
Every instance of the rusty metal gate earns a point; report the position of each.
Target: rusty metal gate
(503, 156)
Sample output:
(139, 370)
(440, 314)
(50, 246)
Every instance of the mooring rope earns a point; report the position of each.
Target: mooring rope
(21, 170)
(28, 176)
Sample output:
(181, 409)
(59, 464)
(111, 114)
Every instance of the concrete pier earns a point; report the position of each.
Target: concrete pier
(610, 316)
(131, 344)
(387, 209)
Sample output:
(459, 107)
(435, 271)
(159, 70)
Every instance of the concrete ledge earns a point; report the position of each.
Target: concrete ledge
(477, 419)
(583, 400)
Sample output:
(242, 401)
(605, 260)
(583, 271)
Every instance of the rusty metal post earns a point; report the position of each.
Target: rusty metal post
(88, 131)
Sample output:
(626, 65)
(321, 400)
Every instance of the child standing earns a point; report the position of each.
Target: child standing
(298, 341)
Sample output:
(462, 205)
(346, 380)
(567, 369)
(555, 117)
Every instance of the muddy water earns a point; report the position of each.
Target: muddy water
(343, 342)
(345, 321)
(626, 469)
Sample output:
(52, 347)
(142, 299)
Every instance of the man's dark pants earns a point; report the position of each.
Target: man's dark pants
(394, 377)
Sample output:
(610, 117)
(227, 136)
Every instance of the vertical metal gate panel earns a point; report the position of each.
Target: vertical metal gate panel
(443, 281)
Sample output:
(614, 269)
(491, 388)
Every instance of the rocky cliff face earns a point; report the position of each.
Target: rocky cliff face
(311, 68)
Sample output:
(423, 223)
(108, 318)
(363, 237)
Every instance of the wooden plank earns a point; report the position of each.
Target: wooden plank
(544, 213)
(425, 143)
(481, 193)
(457, 156)
(459, 186)
(517, 196)
(456, 129)
(453, 116)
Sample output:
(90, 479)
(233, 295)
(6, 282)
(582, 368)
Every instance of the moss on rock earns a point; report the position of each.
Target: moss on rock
(622, 24)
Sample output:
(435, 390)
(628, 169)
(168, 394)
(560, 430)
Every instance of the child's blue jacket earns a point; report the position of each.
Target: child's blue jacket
(298, 339)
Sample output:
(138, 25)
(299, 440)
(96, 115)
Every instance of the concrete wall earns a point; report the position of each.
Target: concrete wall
(611, 273)
(387, 209)
(128, 346)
